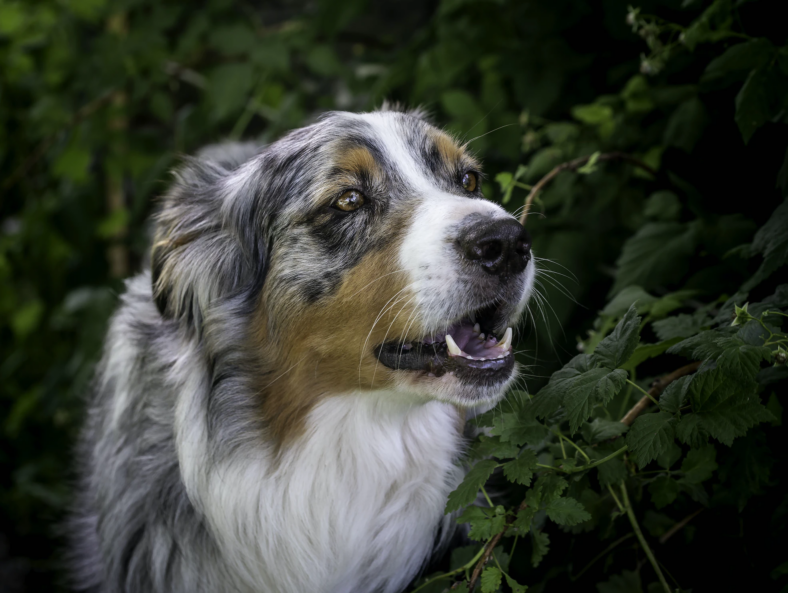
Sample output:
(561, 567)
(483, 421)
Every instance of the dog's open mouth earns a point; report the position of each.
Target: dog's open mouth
(467, 349)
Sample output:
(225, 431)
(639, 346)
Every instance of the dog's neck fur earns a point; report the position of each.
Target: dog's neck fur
(356, 503)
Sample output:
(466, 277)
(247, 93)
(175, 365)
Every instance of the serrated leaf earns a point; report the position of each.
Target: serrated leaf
(586, 390)
(466, 492)
(664, 491)
(689, 431)
(674, 396)
(521, 470)
(733, 417)
(655, 255)
(741, 361)
(601, 429)
(547, 488)
(699, 347)
(519, 428)
(541, 545)
(616, 348)
(514, 585)
(709, 389)
(650, 435)
(567, 511)
(699, 465)
(485, 522)
(522, 523)
(491, 446)
(491, 579)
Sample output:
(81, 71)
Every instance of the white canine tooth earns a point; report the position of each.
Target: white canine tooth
(481, 337)
(506, 341)
(476, 328)
(452, 346)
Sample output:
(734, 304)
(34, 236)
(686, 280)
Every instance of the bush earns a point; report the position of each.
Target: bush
(668, 226)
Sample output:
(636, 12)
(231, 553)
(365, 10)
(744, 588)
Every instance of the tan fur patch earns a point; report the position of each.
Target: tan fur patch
(328, 348)
(449, 151)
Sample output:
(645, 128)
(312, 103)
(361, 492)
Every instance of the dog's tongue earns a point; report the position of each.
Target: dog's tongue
(468, 341)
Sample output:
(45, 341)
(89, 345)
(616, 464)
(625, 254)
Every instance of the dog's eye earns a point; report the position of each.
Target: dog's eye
(349, 201)
(469, 181)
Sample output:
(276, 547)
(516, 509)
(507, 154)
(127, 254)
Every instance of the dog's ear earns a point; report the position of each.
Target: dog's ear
(198, 258)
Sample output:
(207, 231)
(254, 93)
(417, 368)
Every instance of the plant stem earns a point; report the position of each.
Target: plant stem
(465, 566)
(658, 387)
(643, 391)
(618, 502)
(642, 539)
(573, 166)
(492, 506)
(571, 442)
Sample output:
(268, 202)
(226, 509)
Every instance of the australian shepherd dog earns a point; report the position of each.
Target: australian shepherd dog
(281, 401)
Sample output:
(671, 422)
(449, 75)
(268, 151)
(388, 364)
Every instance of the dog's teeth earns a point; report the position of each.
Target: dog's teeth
(481, 337)
(476, 328)
(452, 346)
(506, 341)
(483, 358)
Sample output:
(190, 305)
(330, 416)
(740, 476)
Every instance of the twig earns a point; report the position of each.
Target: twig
(656, 390)
(573, 166)
(488, 549)
(679, 526)
(641, 538)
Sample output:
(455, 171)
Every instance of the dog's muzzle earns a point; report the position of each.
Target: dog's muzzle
(501, 247)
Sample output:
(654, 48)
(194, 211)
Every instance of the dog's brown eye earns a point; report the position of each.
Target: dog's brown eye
(349, 201)
(469, 181)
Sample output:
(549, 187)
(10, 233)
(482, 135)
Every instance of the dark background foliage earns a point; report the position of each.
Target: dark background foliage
(99, 98)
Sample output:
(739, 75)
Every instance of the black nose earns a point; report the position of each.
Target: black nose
(501, 247)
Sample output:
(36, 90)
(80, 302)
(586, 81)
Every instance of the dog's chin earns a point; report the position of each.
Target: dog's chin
(469, 363)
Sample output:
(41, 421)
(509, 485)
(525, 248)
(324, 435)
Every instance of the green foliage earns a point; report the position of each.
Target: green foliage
(99, 98)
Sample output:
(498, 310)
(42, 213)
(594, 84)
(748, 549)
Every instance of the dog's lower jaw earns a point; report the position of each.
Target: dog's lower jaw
(356, 504)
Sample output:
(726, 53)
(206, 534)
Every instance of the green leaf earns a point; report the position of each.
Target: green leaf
(601, 429)
(690, 431)
(491, 579)
(514, 585)
(551, 396)
(662, 205)
(567, 511)
(522, 523)
(650, 435)
(701, 346)
(631, 295)
(736, 62)
(733, 417)
(489, 446)
(708, 389)
(664, 491)
(656, 254)
(519, 428)
(613, 351)
(485, 522)
(521, 470)
(541, 545)
(699, 465)
(594, 114)
(26, 319)
(759, 100)
(645, 351)
(548, 487)
(466, 492)
(771, 241)
(674, 396)
(671, 455)
(679, 326)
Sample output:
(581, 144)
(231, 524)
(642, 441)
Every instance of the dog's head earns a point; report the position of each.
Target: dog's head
(355, 254)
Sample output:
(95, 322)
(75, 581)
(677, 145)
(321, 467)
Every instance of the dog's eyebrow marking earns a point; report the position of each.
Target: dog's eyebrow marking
(358, 160)
(443, 156)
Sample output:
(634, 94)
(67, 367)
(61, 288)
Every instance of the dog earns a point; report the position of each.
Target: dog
(281, 399)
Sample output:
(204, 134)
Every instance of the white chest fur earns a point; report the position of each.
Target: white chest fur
(355, 505)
